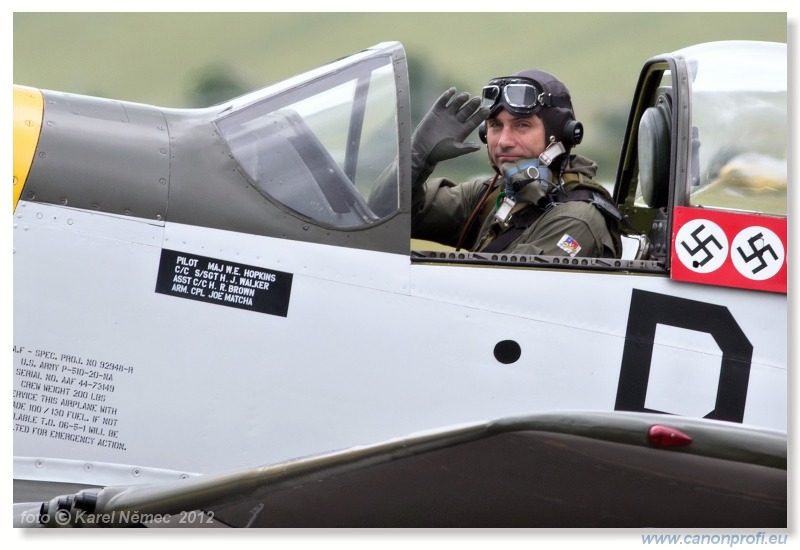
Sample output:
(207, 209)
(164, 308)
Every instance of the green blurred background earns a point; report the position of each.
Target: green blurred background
(197, 59)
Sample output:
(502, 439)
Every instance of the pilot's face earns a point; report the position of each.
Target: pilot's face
(511, 138)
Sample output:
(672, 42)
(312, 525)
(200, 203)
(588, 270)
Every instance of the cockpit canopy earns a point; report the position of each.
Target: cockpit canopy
(739, 117)
(321, 146)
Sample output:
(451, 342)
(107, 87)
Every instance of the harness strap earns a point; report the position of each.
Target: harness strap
(606, 207)
(527, 217)
(521, 221)
(482, 204)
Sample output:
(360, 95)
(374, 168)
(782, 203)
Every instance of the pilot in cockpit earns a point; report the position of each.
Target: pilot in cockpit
(541, 198)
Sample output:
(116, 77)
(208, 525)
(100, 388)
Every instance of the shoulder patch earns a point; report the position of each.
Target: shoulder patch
(569, 245)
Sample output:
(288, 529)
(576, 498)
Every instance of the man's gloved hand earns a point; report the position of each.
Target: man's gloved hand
(441, 133)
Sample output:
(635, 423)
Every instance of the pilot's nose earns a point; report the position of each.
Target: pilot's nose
(506, 138)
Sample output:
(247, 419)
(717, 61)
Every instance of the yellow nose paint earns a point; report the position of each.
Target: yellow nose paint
(28, 113)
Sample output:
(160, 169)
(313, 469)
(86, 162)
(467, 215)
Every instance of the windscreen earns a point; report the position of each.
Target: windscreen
(739, 119)
(323, 147)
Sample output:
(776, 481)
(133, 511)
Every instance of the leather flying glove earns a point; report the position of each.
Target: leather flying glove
(441, 133)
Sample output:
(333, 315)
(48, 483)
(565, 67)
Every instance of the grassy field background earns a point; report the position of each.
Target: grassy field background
(158, 58)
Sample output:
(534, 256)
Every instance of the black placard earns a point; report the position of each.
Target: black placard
(224, 283)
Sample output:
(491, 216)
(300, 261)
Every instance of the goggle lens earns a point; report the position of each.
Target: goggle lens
(490, 95)
(520, 97)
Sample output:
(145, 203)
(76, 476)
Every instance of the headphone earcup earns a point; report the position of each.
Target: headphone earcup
(573, 133)
(482, 131)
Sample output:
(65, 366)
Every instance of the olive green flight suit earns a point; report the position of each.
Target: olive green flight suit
(577, 228)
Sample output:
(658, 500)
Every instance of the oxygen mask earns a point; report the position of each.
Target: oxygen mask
(526, 181)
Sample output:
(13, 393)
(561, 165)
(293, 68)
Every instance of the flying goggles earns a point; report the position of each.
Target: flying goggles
(519, 95)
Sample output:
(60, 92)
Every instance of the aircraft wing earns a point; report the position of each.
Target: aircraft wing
(567, 469)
